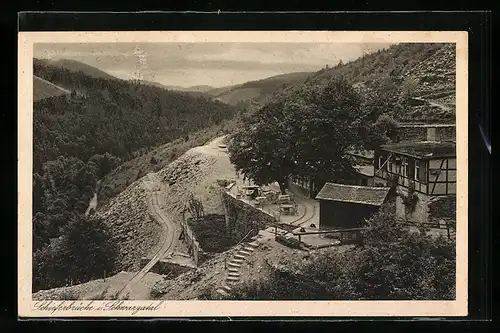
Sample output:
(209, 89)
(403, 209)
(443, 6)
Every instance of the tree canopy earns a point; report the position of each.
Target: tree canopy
(84, 251)
(307, 131)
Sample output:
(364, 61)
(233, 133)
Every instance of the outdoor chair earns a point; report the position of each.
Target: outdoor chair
(284, 199)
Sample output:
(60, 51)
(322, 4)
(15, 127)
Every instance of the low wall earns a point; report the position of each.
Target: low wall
(428, 210)
(408, 134)
(194, 248)
(443, 208)
(166, 267)
(243, 218)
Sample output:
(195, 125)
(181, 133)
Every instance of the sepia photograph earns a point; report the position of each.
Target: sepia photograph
(298, 167)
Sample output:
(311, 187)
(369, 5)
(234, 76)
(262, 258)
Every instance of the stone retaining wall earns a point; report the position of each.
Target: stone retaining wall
(194, 248)
(243, 218)
(166, 267)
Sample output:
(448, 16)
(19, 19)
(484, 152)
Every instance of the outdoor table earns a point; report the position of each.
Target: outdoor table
(284, 198)
(287, 209)
(261, 199)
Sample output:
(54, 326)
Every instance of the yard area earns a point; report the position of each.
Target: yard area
(211, 233)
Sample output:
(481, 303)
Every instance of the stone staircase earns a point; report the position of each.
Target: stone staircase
(234, 266)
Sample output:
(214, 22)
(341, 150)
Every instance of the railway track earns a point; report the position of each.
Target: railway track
(300, 221)
(167, 244)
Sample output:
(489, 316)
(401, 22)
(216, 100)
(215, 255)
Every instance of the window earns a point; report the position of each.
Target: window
(417, 170)
(364, 182)
(380, 161)
(404, 167)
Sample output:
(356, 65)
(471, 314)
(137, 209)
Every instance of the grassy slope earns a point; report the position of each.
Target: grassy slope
(42, 89)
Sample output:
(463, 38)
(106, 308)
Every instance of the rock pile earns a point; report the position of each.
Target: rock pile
(436, 86)
(134, 230)
(437, 73)
(198, 283)
(185, 176)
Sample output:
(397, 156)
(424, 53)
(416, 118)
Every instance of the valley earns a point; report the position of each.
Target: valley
(132, 156)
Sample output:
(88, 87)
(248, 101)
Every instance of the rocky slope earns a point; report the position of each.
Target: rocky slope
(134, 230)
(436, 74)
(420, 76)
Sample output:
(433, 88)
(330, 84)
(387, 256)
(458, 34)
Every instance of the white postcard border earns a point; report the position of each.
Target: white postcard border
(194, 308)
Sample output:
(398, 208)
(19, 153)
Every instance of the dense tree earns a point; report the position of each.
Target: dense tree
(263, 150)
(84, 251)
(393, 264)
(305, 131)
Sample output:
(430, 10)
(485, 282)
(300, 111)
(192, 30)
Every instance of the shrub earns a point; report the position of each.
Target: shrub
(393, 264)
(290, 242)
(195, 207)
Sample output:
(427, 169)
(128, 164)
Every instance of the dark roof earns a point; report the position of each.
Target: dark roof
(366, 195)
(424, 150)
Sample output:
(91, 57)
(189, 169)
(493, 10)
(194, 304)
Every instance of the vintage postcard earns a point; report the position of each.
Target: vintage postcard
(236, 173)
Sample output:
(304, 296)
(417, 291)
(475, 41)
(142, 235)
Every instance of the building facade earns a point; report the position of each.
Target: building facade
(420, 164)
(425, 170)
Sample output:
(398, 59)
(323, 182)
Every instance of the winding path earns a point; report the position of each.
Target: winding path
(168, 236)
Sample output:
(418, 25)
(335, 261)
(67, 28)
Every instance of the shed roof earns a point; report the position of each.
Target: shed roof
(424, 150)
(366, 195)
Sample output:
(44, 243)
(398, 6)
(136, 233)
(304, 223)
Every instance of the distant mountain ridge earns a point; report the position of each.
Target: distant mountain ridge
(257, 91)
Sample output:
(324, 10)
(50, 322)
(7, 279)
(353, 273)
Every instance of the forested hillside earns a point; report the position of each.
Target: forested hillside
(417, 80)
(81, 137)
(257, 91)
(43, 89)
(74, 66)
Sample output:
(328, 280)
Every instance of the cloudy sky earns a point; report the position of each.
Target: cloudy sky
(214, 64)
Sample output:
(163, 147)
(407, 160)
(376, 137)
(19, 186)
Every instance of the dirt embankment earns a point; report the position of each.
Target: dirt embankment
(101, 289)
(134, 230)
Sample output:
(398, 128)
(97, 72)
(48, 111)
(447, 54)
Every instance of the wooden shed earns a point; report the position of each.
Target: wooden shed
(347, 206)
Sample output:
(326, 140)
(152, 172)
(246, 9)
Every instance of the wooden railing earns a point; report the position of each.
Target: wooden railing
(345, 236)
